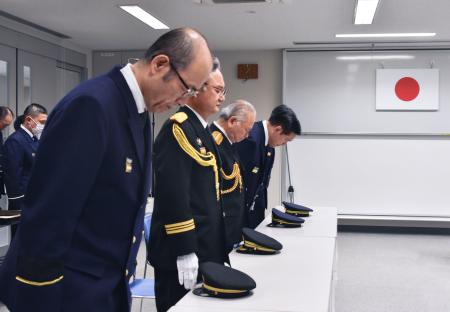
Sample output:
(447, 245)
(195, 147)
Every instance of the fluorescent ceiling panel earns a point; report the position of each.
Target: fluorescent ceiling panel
(365, 11)
(385, 35)
(374, 57)
(144, 16)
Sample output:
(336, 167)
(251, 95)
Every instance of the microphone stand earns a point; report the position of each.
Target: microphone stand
(290, 188)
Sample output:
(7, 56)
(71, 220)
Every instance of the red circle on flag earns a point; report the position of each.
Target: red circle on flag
(407, 89)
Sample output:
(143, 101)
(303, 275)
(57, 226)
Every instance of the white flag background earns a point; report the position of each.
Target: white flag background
(407, 89)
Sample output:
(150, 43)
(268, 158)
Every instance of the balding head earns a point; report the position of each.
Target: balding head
(174, 67)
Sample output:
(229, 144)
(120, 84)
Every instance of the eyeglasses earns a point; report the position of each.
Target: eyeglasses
(190, 91)
(221, 91)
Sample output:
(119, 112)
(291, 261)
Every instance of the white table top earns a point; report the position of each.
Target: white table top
(299, 279)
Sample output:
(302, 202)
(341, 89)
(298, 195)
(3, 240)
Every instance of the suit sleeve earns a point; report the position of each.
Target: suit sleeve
(68, 159)
(173, 175)
(13, 160)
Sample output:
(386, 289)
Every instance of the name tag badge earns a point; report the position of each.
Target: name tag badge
(128, 165)
(255, 170)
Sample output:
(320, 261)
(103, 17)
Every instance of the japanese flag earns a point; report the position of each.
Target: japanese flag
(407, 89)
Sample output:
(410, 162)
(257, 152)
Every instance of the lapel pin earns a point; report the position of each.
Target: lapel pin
(128, 165)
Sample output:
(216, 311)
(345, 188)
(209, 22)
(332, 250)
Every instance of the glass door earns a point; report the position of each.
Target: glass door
(7, 98)
(36, 81)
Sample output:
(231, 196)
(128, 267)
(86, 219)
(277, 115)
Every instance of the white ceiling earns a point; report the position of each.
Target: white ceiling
(100, 25)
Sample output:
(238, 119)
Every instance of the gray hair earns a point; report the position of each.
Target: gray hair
(216, 64)
(239, 109)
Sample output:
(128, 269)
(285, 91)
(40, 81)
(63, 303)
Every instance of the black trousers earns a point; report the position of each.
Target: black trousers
(168, 290)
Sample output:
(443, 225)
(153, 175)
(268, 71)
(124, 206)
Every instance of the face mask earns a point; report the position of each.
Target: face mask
(37, 131)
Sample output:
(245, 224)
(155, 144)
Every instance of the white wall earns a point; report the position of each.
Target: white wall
(372, 173)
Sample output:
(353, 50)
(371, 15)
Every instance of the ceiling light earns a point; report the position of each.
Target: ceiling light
(365, 11)
(387, 35)
(144, 16)
(374, 57)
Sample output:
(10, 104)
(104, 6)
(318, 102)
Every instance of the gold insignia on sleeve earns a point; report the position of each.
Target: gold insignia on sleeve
(180, 227)
(203, 150)
(128, 165)
(179, 117)
(218, 137)
(255, 170)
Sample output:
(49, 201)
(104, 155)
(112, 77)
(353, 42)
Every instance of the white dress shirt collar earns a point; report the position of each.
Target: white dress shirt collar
(203, 121)
(266, 132)
(27, 131)
(134, 87)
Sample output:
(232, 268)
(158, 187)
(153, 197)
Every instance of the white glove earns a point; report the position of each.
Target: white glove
(187, 266)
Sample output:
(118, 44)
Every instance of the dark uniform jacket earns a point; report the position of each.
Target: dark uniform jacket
(82, 216)
(257, 161)
(19, 154)
(231, 188)
(187, 215)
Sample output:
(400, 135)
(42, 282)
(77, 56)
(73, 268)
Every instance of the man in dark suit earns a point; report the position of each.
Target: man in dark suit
(20, 151)
(257, 154)
(83, 212)
(187, 222)
(6, 118)
(234, 124)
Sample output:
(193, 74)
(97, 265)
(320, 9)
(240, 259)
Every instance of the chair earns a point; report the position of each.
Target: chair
(144, 288)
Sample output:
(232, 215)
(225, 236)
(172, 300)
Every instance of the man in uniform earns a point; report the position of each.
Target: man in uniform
(187, 224)
(257, 154)
(234, 124)
(19, 154)
(83, 212)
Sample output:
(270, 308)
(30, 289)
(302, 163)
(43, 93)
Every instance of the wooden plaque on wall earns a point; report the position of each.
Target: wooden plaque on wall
(247, 71)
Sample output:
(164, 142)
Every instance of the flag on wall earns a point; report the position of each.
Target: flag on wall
(407, 89)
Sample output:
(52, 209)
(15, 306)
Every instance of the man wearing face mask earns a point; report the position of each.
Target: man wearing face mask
(19, 154)
(234, 124)
(257, 154)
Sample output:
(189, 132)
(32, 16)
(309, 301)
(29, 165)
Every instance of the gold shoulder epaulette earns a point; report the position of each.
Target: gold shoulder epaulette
(179, 117)
(218, 137)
